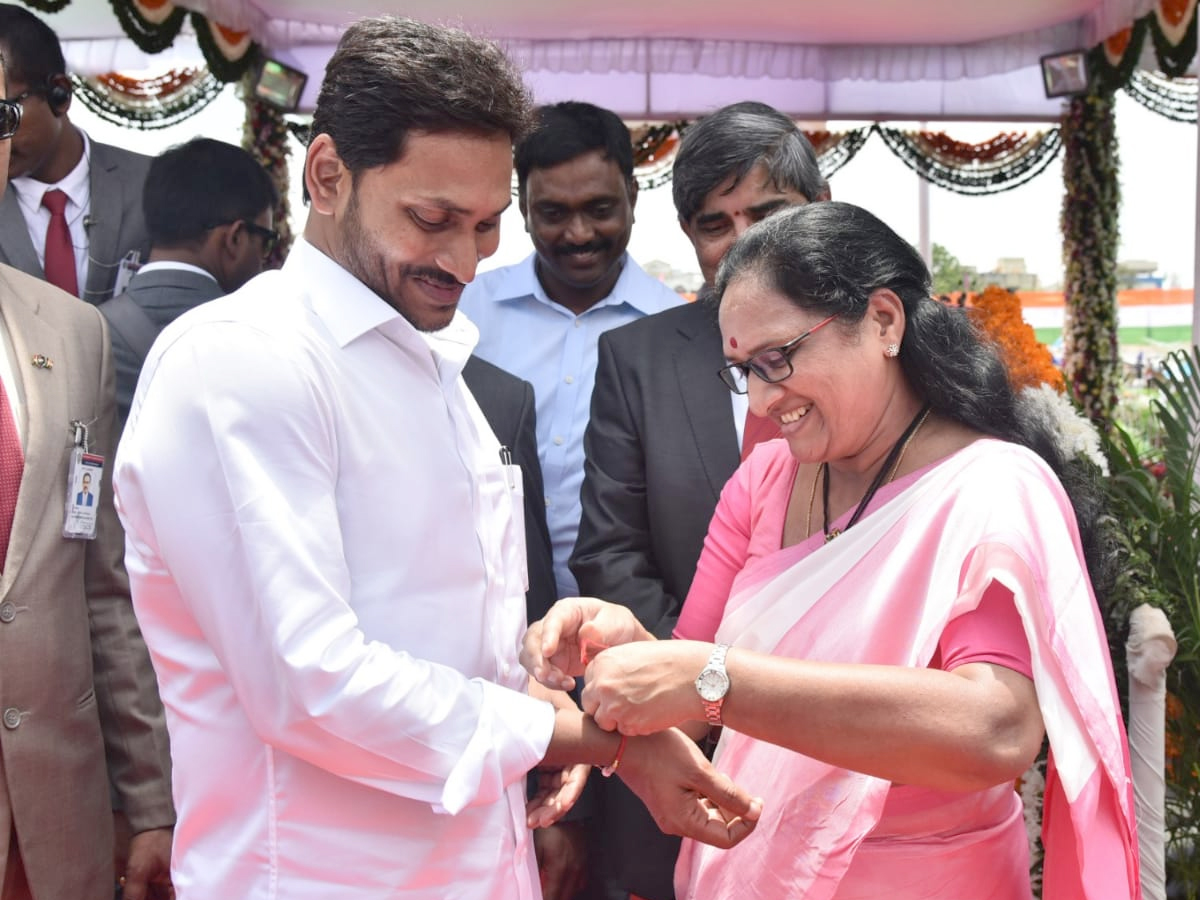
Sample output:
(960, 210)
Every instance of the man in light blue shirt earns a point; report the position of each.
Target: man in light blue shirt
(541, 318)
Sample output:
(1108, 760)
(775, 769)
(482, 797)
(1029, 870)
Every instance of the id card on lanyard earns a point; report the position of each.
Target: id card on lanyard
(85, 473)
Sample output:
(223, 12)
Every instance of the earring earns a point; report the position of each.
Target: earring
(892, 350)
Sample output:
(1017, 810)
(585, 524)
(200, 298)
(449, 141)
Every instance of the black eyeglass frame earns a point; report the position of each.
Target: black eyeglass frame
(729, 374)
(10, 116)
(269, 235)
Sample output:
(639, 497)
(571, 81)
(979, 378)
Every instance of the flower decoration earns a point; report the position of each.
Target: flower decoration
(1075, 434)
(997, 312)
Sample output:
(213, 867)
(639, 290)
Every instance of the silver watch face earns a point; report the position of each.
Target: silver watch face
(712, 684)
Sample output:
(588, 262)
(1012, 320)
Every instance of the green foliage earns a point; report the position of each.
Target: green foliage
(947, 272)
(1156, 504)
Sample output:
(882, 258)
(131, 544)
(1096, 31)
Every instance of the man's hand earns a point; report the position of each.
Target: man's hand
(572, 632)
(684, 793)
(562, 859)
(645, 687)
(147, 874)
(558, 790)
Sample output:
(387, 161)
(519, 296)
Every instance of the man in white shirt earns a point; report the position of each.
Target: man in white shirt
(335, 616)
(541, 318)
(209, 207)
(72, 212)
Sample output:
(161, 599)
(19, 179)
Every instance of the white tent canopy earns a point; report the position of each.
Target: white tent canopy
(923, 59)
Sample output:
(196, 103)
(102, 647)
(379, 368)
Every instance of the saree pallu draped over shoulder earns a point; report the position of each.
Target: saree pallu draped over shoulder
(882, 593)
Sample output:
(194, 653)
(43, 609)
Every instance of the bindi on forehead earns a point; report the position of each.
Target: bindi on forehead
(733, 342)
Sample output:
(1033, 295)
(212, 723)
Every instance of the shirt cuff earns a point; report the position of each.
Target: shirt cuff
(511, 736)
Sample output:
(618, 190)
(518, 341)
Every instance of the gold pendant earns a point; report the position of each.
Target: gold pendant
(831, 535)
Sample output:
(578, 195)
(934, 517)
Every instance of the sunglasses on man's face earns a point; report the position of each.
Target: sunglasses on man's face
(10, 118)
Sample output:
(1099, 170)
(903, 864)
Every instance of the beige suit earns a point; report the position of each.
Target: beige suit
(76, 684)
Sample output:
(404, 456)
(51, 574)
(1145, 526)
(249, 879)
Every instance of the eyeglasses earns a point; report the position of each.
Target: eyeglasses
(10, 116)
(270, 237)
(772, 365)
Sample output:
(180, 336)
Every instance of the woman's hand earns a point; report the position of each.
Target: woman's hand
(573, 631)
(645, 687)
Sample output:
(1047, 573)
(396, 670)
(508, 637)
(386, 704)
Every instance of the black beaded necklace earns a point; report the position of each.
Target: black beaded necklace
(890, 465)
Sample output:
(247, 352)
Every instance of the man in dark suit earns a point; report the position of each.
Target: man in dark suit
(665, 434)
(80, 707)
(72, 209)
(209, 208)
(508, 405)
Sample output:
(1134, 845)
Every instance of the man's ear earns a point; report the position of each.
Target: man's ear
(687, 229)
(325, 175)
(633, 192)
(523, 206)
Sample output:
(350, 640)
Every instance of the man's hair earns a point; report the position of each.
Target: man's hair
(193, 187)
(564, 131)
(732, 141)
(391, 76)
(33, 54)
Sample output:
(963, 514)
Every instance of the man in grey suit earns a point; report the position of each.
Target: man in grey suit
(80, 708)
(209, 208)
(98, 186)
(665, 434)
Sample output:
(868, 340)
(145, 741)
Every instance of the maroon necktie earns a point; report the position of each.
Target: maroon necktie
(757, 429)
(12, 463)
(60, 250)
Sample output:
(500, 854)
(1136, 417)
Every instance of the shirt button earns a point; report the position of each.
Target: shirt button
(8, 612)
(505, 669)
(558, 440)
(12, 718)
(570, 379)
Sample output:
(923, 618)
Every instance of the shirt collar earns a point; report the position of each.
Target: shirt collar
(349, 309)
(520, 280)
(75, 184)
(166, 265)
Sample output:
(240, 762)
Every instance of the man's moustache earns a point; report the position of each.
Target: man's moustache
(438, 275)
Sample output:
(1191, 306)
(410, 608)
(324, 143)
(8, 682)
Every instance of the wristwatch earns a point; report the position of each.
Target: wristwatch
(712, 684)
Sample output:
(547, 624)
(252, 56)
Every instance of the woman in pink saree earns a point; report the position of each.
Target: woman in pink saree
(894, 605)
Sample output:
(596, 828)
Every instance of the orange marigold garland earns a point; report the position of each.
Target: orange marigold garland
(998, 313)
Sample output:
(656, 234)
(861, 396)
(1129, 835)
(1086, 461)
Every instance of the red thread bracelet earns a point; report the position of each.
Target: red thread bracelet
(608, 770)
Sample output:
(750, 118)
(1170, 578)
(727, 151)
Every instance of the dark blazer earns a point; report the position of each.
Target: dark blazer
(660, 444)
(163, 295)
(508, 405)
(116, 177)
(76, 683)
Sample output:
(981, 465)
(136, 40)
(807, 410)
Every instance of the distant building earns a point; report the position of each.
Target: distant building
(1138, 273)
(682, 282)
(1010, 273)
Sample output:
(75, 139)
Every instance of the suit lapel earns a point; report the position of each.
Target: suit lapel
(705, 400)
(46, 430)
(107, 187)
(16, 249)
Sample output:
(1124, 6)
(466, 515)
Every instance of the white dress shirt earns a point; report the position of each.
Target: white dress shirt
(326, 560)
(77, 186)
(526, 333)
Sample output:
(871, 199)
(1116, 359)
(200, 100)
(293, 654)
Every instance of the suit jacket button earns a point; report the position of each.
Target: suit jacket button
(12, 718)
(8, 612)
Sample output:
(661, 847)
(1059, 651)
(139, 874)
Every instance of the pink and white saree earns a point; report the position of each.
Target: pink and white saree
(882, 593)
